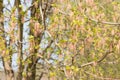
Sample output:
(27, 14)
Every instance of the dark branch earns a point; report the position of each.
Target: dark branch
(96, 62)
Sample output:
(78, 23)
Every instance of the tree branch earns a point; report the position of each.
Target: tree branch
(95, 62)
(97, 77)
(102, 22)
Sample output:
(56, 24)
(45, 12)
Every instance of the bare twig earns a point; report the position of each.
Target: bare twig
(100, 60)
(42, 54)
(55, 42)
(97, 77)
(60, 11)
(44, 16)
(113, 62)
(96, 62)
(102, 22)
(47, 47)
(41, 12)
(41, 75)
(2, 29)
(7, 9)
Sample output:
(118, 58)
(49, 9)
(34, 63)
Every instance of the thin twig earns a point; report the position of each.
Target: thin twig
(102, 22)
(41, 75)
(44, 16)
(41, 12)
(95, 62)
(97, 77)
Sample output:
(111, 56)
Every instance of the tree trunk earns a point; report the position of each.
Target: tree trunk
(35, 32)
(20, 40)
(8, 70)
(9, 73)
(38, 17)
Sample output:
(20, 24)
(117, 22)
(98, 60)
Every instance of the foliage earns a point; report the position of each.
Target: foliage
(63, 39)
